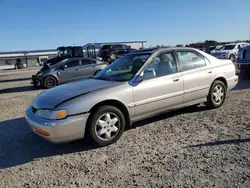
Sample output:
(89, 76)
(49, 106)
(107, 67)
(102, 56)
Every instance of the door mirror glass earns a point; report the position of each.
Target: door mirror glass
(148, 74)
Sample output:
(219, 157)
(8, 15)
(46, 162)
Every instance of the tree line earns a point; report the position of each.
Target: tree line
(205, 44)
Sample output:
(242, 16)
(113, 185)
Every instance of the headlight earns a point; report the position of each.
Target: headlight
(49, 114)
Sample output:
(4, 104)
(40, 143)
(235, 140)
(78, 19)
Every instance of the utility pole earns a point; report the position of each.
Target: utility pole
(249, 33)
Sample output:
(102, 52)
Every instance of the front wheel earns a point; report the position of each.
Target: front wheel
(112, 57)
(217, 95)
(106, 125)
(49, 82)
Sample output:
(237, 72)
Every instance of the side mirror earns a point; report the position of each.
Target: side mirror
(147, 74)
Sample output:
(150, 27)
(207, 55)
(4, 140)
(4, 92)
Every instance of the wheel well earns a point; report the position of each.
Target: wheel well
(222, 80)
(116, 104)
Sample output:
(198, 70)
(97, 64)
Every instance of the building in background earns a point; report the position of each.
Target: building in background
(34, 58)
(22, 59)
(132, 44)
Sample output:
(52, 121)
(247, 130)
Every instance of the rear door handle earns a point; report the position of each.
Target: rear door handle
(209, 72)
(176, 79)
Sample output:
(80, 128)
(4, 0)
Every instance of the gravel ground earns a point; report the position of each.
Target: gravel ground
(193, 147)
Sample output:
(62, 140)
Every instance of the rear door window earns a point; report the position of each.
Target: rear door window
(190, 60)
(86, 62)
(72, 63)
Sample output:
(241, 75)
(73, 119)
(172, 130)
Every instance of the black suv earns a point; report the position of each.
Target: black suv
(110, 52)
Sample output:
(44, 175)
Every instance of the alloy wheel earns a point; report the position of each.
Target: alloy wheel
(107, 126)
(218, 94)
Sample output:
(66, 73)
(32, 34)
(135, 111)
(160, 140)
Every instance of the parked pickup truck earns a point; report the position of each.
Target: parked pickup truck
(243, 60)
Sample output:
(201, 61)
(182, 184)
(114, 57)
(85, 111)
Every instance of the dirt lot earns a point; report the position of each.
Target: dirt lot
(187, 148)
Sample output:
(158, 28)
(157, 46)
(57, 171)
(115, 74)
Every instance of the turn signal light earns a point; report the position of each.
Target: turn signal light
(61, 114)
(42, 132)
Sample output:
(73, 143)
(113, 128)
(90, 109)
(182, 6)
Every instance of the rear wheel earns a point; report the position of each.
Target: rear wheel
(217, 94)
(19, 65)
(49, 82)
(106, 125)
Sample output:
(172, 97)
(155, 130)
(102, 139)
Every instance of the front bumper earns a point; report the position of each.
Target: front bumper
(65, 130)
(36, 80)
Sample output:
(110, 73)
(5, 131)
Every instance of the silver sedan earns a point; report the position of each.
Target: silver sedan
(137, 86)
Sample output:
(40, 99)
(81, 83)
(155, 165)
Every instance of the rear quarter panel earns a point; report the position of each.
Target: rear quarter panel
(224, 68)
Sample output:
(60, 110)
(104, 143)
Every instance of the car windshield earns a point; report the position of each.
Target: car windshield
(64, 52)
(124, 68)
(218, 48)
(228, 47)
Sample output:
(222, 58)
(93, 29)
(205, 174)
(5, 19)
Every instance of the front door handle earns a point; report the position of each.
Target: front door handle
(209, 72)
(176, 79)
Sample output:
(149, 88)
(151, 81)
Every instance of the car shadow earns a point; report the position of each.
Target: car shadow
(221, 142)
(19, 145)
(18, 89)
(15, 80)
(243, 83)
(191, 109)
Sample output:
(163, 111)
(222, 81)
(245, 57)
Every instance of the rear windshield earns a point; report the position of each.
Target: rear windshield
(106, 46)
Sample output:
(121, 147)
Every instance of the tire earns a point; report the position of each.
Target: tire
(49, 82)
(217, 95)
(232, 57)
(99, 133)
(19, 65)
(112, 56)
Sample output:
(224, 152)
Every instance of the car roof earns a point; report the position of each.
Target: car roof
(159, 49)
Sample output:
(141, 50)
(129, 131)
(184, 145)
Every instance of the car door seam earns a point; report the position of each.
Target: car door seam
(195, 89)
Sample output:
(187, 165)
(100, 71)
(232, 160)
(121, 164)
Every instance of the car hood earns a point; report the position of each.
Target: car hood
(53, 97)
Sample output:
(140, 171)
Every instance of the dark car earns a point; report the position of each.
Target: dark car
(209, 49)
(67, 70)
(110, 52)
(243, 61)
